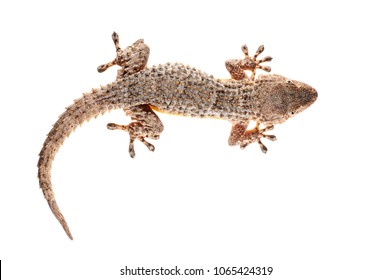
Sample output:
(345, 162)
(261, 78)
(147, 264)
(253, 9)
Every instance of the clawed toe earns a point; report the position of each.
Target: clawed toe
(267, 136)
(148, 145)
(262, 146)
(131, 148)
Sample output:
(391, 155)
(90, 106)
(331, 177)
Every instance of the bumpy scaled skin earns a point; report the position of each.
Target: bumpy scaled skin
(181, 90)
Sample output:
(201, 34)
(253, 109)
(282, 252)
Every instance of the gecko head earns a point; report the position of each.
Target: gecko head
(280, 98)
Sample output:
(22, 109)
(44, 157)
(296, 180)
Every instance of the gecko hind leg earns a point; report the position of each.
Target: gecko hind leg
(145, 124)
(131, 60)
(237, 67)
(239, 135)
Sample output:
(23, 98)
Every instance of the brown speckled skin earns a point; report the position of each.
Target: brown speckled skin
(175, 89)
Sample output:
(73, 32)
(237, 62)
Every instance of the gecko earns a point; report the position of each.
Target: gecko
(174, 88)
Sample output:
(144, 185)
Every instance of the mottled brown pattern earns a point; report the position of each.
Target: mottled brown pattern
(181, 90)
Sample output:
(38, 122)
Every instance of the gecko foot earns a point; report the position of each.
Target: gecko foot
(242, 137)
(259, 133)
(135, 130)
(253, 63)
(236, 67)
(145, 124)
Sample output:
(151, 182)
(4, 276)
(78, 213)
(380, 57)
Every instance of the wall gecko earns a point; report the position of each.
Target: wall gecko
(177, 89)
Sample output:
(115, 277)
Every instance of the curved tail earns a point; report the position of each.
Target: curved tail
(90, 105)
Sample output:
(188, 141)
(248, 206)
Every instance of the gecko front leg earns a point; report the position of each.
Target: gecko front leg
(237, 67)
(239, 135)
(145, 123)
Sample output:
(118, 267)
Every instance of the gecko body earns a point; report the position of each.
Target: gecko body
(181, 90)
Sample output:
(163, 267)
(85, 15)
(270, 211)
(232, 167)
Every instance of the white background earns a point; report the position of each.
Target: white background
(317, 206)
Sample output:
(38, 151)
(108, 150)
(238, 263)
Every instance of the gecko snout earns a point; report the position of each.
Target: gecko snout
(313, 94)
(301, 97)
(308, 95)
